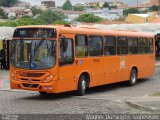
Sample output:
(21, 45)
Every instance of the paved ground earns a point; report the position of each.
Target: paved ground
(101, 100)
(4, 80)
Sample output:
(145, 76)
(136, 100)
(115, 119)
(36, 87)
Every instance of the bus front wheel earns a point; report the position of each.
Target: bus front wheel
(82, 85)
(133, 77)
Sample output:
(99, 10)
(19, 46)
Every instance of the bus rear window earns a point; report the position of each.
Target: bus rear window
(35, 33)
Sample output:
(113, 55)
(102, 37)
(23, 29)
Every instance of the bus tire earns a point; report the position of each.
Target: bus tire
(82, 85)
(133, 77)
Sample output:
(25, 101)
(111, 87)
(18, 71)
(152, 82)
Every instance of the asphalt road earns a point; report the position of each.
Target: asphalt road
(99, 100)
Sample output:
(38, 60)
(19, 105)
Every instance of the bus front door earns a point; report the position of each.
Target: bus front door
(66, 79)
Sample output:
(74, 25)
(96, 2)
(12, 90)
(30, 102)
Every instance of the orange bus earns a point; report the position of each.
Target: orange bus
(54, 59)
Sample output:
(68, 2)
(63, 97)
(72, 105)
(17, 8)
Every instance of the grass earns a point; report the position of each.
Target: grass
(156, 94)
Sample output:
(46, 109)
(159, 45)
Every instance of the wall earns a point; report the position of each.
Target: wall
(135, 19)
(152, 17)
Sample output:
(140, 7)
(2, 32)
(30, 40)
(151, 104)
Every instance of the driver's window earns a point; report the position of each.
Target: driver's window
(66, 54)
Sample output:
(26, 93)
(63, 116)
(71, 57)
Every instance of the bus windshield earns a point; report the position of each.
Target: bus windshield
(33, 54)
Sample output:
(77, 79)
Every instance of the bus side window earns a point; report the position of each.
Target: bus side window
(150, 48)
(109, 45)
(95, 45)
(122, 45)
(142, 45)
(66, 53)
(81, 45)
(133, 45)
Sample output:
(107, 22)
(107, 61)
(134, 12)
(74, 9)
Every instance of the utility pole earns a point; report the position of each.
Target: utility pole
(158, 4)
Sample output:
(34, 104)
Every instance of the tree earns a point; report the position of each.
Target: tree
(23, 21)
(114, 6)
(36, 11)
(153, 8)
(50, 16)
(61, 22)
(106, 5)
(67, 5)
(130, 10)
(78, 8)
(89, 18)
(8, 3)
(2, 14)
(46, 17)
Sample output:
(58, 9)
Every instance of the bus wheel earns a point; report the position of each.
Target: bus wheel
(43, 93)
(82, 85)
(133, 77)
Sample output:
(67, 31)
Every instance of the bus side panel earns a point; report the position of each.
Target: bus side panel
(151, 61)
(96, 71)
(151, 64)
(124, 71)
(111, 66)
(66, 80)
(139, 61)
(82, 65)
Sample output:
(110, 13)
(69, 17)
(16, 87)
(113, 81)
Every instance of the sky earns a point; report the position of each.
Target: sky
(60, 2)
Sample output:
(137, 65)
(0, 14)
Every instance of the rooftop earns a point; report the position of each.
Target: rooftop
(142, 15)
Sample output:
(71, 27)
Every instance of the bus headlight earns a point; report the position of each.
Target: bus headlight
(13, 76)
(48, 79)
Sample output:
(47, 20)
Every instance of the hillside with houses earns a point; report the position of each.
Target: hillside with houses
(109, 11)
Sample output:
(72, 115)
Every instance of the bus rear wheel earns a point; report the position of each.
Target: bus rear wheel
(133, 77)
(82, 85)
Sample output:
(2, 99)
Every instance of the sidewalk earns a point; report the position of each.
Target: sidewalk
(157, 63)
(4, 80)
(146, 103)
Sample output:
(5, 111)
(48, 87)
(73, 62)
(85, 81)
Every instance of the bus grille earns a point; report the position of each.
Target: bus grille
(29, 74)
(30, 85)
(32, 80)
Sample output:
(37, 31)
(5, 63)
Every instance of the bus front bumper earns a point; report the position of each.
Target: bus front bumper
(41, 87)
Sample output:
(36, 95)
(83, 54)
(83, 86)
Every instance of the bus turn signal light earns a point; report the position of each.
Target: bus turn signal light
(48, 79)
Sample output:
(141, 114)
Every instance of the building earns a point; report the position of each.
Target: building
(157, 20)
(106, 13)
(23, 5)
(93, 4)
(48, 4)
(84, 4)
(17, 12)
(5, 33)
(142, 6)
(28, 12)
(41, 7)
(101, 4)
(72, 14)
(118, 4)
(151, 3)
(141, 18)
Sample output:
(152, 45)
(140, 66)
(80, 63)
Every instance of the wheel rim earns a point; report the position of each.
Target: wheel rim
(133, 78)
(83, 85)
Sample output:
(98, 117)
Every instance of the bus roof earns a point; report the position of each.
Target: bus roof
(91, 31)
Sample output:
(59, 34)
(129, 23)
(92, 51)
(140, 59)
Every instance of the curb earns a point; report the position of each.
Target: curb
(142, 107)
